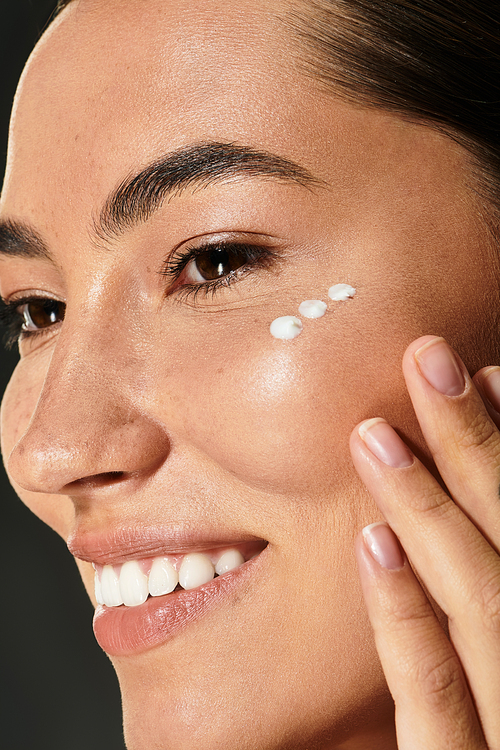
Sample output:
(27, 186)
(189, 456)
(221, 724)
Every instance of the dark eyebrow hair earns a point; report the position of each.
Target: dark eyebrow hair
(19, 239)
(195, 166)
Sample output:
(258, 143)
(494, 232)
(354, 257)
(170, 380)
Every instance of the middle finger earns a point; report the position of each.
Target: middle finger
(464, 441)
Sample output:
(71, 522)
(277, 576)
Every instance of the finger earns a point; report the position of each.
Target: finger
(462, 437)
(487, 381)
(434, 708)
(456, 563)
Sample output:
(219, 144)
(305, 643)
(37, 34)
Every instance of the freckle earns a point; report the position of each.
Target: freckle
(286, 327)
(312, 308)
(341, 292)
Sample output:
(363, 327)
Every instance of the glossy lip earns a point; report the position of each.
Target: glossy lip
(122, 631)
(133, 543)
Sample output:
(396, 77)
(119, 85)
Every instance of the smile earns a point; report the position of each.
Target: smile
(132, 582)
(143, 602)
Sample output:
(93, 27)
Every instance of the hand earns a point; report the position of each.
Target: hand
(446, 689)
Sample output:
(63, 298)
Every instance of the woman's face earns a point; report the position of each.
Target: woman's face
(161, 416)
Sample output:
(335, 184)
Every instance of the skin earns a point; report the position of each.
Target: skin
(210, 419)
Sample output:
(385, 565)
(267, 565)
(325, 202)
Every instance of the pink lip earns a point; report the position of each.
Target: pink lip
(133, 543)
(127, 630)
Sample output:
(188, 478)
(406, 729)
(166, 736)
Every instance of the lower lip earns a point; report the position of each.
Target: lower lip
(129, 630)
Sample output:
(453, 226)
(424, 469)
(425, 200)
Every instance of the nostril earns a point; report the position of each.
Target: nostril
(67, 451)
(115, 474)
(99, 480)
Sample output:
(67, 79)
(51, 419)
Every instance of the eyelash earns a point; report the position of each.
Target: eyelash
(258, 256)
(11, 320)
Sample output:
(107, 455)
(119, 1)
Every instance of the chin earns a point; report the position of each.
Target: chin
(264, 682)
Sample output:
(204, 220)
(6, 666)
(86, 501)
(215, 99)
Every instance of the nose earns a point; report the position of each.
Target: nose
(91, 425)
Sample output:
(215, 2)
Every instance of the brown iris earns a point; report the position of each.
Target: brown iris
(220, 261)
(42, 313)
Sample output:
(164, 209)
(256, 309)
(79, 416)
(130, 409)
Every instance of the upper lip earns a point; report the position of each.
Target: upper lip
(132, 543)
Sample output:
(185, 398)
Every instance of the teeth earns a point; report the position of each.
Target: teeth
(133, 584)
(110, 587)
(229, 561)
(98, 589)
(195, 570)
(163, 577)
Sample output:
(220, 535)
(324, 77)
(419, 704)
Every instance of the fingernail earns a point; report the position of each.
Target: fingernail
(385, 443)
(491, 385)
(383, 545)
(439, 366)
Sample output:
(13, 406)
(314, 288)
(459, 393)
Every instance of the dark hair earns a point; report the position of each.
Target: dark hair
(436, 62)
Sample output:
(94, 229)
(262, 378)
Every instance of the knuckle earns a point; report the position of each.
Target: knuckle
(487, 599)
(409, 613)
(432, 502)
(441, 680)
(480, 432)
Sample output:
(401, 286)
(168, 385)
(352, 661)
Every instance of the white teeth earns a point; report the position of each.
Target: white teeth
(195, 570)
(163, 577)
(110, 587)
(98, 589)
(133, 584)
(229, 561)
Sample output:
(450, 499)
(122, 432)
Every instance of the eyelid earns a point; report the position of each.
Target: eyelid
(11, 320)
(196, 245)
(28, 295)
(230, 236)
(264, 254)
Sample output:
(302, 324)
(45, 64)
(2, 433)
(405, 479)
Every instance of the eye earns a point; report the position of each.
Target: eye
(200, 271)
(39, 314)
(215, 263)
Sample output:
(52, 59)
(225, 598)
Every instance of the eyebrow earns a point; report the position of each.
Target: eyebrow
(135, 200)
(21, 240)
(197, 166)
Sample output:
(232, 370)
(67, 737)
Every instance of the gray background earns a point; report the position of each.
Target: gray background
(58, 690)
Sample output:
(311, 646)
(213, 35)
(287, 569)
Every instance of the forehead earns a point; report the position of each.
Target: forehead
(138, 72)
(115, 84)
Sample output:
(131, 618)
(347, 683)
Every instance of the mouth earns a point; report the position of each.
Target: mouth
(131, 583)
(145, 601)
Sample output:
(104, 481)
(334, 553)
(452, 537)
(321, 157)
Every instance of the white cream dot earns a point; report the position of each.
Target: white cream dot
(312, 308)
(341, 292)
(287, 327)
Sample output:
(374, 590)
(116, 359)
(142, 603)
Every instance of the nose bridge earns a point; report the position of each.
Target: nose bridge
(88, 420)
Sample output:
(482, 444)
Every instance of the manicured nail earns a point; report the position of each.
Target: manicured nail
(383, 545)
(490, 381)
(438, 364)
(385, 443)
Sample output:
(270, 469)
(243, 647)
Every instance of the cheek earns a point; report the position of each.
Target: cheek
(278, 415)
(18, 405)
